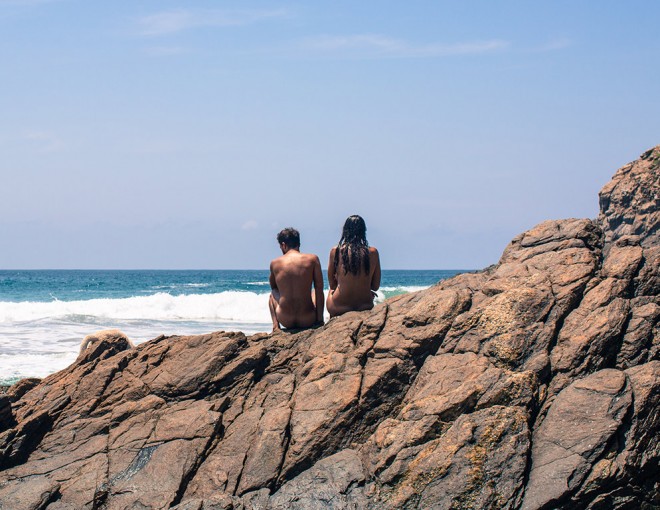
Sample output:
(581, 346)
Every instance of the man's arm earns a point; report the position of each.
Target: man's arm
(375, 278)
(332, 277)
(318, 290)
(271, 278)
(274, 299)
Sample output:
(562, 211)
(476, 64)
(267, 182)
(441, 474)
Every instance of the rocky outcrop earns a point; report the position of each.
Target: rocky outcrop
(534, 384)
(96, 343)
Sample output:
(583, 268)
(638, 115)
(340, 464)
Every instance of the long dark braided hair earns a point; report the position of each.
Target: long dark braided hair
(353, 247)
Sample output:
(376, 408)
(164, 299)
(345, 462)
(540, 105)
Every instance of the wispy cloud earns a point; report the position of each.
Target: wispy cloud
(379, 46)
(250, 225)
(178, 20)
(43, 141)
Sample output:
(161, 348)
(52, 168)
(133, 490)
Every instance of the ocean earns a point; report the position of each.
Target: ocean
(45, 314)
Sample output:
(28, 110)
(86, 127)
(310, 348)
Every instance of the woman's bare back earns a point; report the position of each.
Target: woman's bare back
(350, 291)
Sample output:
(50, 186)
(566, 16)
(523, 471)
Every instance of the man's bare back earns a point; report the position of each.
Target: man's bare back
(292, 303)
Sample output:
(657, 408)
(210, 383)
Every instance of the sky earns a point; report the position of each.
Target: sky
(184, 135)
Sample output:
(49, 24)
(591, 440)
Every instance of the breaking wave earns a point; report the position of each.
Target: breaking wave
(224, 306)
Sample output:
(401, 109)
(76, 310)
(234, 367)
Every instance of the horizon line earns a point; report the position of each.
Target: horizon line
(208, 269)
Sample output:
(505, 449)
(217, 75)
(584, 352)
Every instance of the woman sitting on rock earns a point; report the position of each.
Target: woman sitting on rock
(353, 270)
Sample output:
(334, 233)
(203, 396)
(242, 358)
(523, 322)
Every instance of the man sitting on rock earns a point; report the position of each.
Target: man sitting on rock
(292, 302)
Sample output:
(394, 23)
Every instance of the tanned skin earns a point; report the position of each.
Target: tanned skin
(350, 292)
(292, 302)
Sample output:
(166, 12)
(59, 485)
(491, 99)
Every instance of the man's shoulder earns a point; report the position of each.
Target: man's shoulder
(311, 258)
(276, 262)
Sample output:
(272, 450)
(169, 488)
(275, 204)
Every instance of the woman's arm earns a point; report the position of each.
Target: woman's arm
(375, 261)
(318, 291)
(332, 276)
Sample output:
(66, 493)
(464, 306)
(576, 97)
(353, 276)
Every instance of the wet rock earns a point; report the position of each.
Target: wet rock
(19, 389)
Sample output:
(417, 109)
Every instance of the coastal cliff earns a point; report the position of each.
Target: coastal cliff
(532, 384)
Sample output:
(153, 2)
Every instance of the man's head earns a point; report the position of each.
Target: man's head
(290, 238)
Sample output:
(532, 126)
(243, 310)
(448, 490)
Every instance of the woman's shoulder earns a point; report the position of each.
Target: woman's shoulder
(373, 250)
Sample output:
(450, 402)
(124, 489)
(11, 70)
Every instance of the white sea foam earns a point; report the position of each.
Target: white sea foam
(239, 306)
(385, 292)
(39, 338)
(402, 289)
(38, 348)
(19, 366)
(224, 306)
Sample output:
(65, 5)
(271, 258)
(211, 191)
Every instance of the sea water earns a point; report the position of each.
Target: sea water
(45, 314)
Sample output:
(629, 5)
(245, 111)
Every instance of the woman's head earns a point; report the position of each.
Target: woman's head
(355, 229)
(353, 248)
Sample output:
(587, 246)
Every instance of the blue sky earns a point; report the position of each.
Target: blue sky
(163, 134)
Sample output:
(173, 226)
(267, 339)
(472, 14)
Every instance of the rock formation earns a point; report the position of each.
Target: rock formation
(533, 384)
(101, 341)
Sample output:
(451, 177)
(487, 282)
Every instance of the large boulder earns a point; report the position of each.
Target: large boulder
(532, 384)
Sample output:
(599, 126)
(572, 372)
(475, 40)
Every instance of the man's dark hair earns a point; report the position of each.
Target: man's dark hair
(290, 237)
(353, 247)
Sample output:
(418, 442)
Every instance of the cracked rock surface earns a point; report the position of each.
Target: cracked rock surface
(533, 384)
